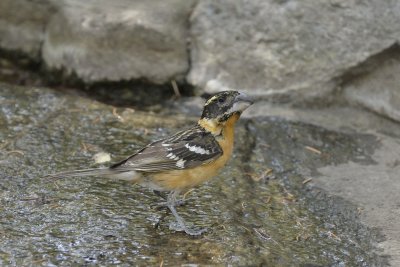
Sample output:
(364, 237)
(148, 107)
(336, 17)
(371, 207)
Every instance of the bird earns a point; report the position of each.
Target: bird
(185, 159)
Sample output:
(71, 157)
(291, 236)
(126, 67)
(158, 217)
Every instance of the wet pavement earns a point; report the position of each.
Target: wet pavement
(263, 209)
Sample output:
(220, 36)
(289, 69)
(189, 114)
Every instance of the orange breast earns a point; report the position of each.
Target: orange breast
(185, 179)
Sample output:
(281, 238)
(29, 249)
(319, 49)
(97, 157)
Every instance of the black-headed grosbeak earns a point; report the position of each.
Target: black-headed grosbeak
(187, 158)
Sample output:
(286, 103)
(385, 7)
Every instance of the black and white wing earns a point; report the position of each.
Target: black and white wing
(186, 149)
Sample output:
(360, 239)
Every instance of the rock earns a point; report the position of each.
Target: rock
(368, 179)
(281, 51)
(260, 198)
(119, 40)
(22, 25)
(375, 188)
(375, 84)
(295, 49)
(101, 40)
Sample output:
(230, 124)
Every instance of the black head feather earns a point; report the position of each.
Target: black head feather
(224, 104)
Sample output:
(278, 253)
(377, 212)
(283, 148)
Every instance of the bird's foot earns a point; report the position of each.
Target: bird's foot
(183, 228)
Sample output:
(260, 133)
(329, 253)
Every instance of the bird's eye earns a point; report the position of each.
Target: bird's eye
(221, 100)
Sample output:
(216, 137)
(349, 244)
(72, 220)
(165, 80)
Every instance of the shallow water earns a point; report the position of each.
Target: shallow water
(255, 216)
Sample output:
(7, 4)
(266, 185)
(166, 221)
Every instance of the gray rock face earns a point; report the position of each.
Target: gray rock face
(119, 40)
(22, 25)
(297, 48)
(101, 40)
(292, 50)
(264, 197)
(377, 86)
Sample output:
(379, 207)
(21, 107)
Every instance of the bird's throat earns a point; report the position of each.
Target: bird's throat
(216, 127)
(211, 126)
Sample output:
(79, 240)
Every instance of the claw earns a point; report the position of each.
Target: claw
(184, 228)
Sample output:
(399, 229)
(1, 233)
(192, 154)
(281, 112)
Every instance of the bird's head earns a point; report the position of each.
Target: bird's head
(220, 107)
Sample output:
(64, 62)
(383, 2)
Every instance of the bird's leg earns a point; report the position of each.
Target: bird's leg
(160, 194)
(164, 205)
(161, 205)
(171, 203)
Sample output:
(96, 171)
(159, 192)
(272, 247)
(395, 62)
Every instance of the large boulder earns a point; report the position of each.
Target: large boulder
(22, 25)
(295, 48)
(261, 209)
(375, 84)
(101, 40)
(286, 51)
(119, 40)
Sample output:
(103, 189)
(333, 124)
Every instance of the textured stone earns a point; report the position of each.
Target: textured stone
(22, 25)
(119, 40)
(373, 187)
(377, 86)
(259, 198)
(101, 40)
(284, 51)
(294, 48)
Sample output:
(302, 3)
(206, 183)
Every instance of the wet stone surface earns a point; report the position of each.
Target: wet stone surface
(259, 210)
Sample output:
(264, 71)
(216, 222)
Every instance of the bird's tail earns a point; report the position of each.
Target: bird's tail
(124, 174)
(85, 172)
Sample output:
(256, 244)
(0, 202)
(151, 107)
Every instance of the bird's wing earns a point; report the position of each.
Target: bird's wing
(186, 149)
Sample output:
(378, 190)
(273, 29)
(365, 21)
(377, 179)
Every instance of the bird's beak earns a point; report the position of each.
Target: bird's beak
(241, 102)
